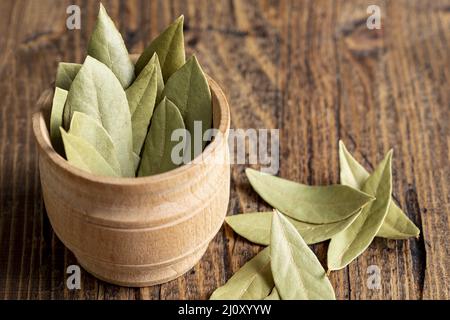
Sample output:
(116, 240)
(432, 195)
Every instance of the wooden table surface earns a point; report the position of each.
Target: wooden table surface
(310, 68)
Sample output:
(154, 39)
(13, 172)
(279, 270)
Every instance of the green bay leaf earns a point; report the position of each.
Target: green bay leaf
(352, 173)
(96, 92)
(84, 156)
(107, 46)
(255, 227)
(350, 243)
(157, 150)
(188, 88)
(56, 118)
(142, 96)
(169, 46)
(136, 161)
(85, 127)
(65, 74)
(273, 295)
(396, 225)
(312, 204)
(297, 273)
(252, 282)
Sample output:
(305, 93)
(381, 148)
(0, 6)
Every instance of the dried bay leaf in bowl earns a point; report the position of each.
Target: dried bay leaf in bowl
(65, 74)
(158, 146)
(169, 46)
(96, 92)
(142, 97)
(56, 119)
(84, 126)
(84, 156)
(188, 88)
(107, 46)
(93, 90)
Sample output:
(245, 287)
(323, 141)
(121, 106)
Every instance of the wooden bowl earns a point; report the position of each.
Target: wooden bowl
(137, 231)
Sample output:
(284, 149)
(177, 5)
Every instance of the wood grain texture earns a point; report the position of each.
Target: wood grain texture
(310, 68)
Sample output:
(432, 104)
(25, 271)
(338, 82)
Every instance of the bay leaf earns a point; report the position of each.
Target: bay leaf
(83, 155)
(56, 118)
(156, 154)
(142, 96)
(396, 225)
(90, 130)
(188, 88)
(169, 46)
(313, 204)
(252, 282)
(65, 74)
(96, 92)
(297, 273)
(350, 243)
(107, 46)
(66, 115)
(136, 161)
(273, 295)
(255, 227)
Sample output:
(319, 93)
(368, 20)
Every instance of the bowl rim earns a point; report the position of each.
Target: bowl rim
(39, 124)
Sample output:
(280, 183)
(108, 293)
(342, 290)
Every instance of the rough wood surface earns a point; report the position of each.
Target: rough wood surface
(310, 68)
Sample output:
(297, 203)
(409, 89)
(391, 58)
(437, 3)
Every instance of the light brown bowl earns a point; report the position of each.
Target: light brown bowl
(137, 231)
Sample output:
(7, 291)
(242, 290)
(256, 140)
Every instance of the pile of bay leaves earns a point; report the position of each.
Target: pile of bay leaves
(115, 118)
(351, 215)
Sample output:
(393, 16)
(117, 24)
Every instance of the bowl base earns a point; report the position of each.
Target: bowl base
(139, 276)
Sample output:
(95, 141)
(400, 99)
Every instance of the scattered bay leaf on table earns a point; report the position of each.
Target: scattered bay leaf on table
(255, 227)
(396, 225)
(107, 46)
(350, 243)
(56, 118)
(169, 46)
(188, 88)
(65, 74)
(142, 96)
(157, 151)
(297, 273)
(85, 127)
(252, 282)
(273, 295)
(96, 92)
(352, 173)
(313, 204)
(83, 155)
